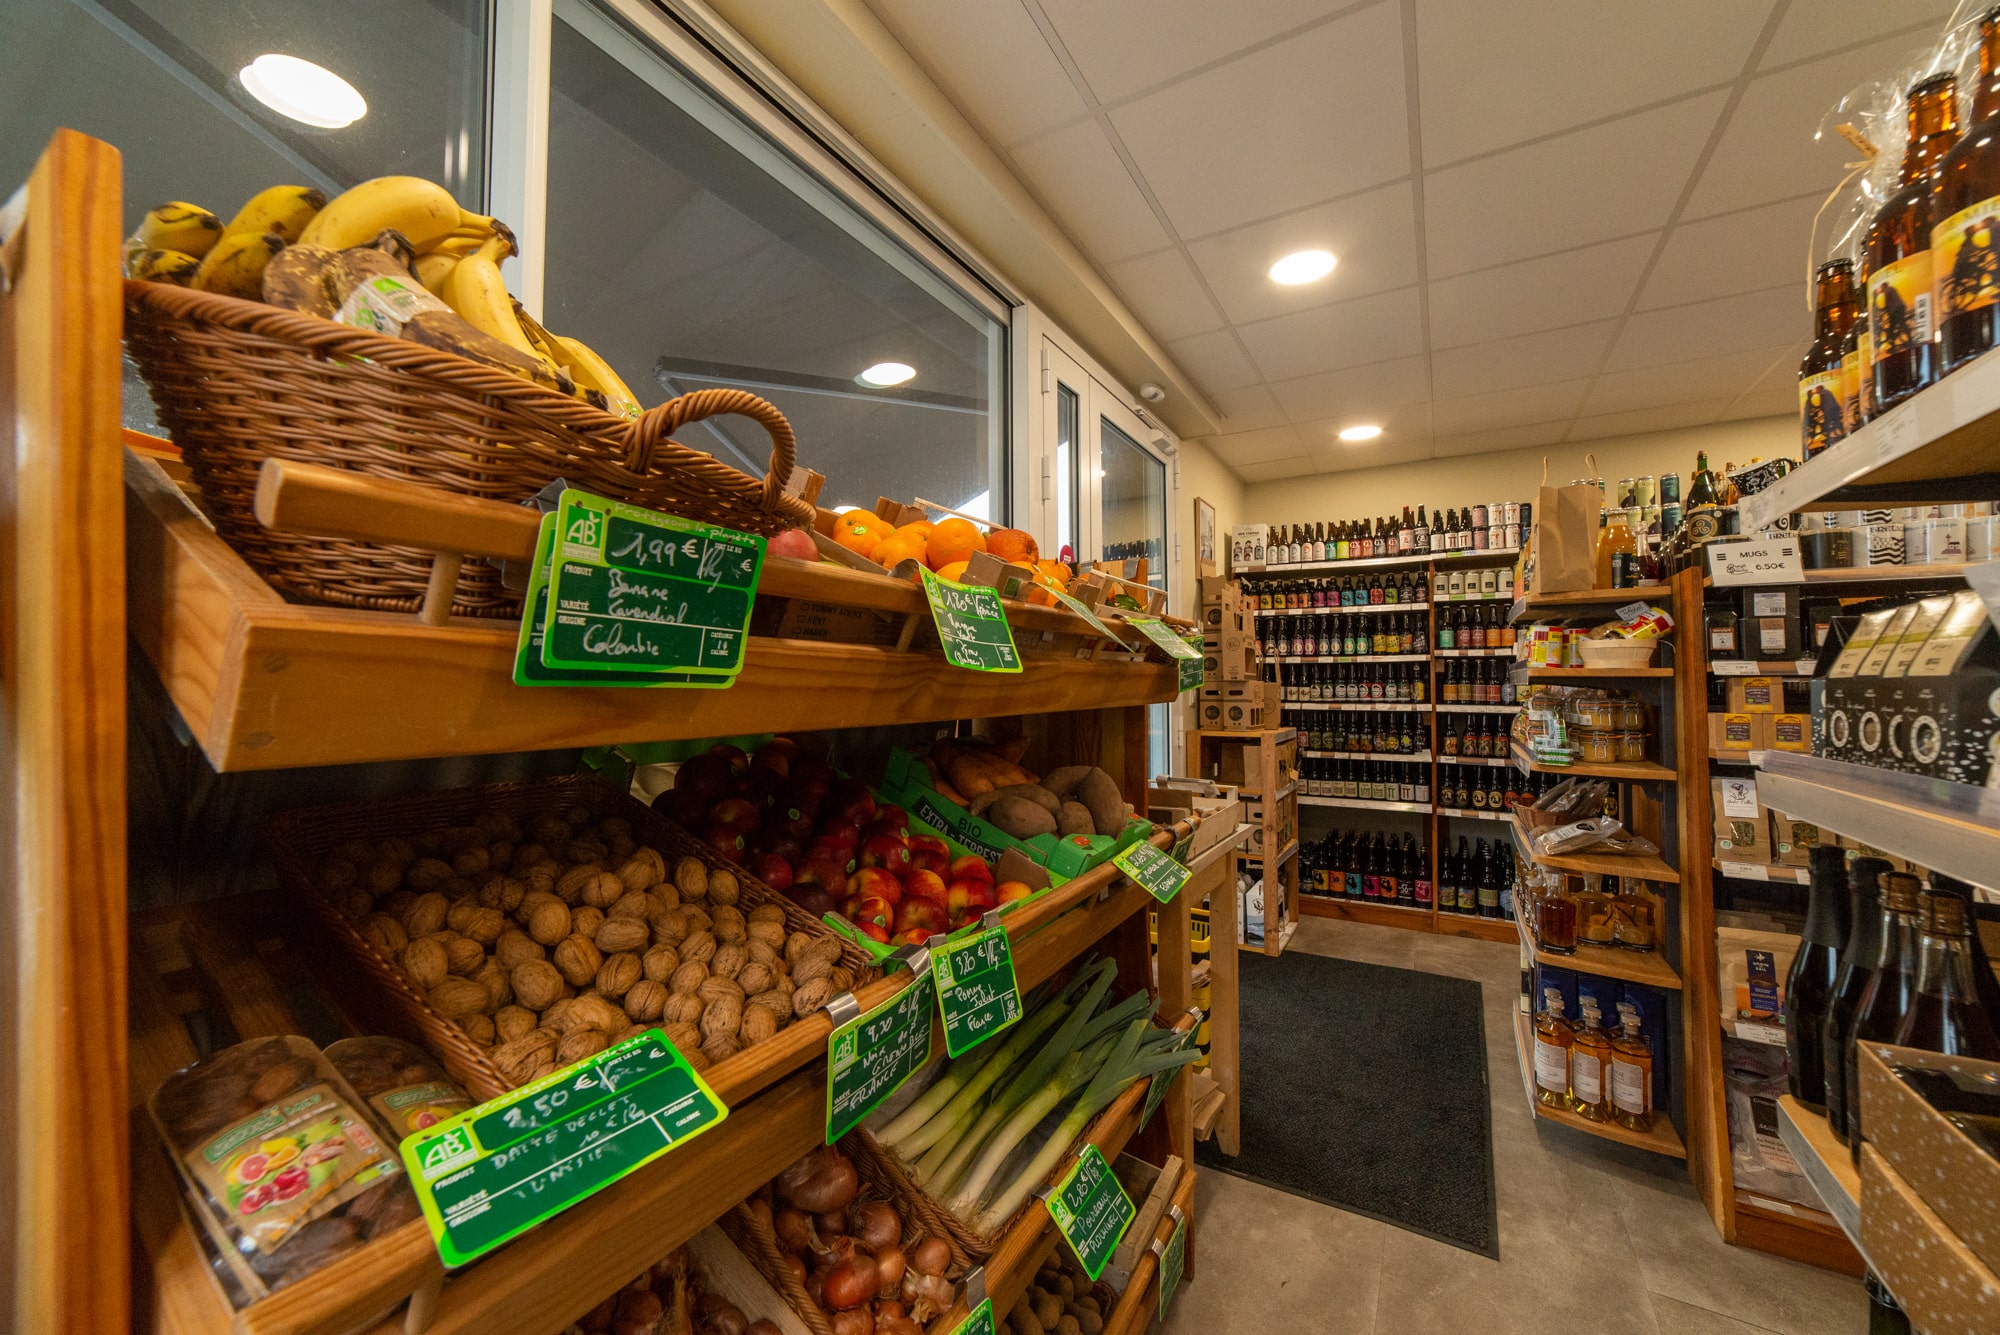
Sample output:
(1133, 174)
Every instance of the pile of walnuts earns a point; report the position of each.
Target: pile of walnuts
(549, 944)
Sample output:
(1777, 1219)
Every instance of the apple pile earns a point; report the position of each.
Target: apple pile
(785, 815)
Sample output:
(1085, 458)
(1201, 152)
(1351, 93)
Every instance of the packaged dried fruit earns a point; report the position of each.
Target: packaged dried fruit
(282, 1167)
(406, 1088)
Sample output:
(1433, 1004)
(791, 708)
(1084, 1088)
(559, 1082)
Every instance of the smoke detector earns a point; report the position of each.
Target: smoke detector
(1152, 393)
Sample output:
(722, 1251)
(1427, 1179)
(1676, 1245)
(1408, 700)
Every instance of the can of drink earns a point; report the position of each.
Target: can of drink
(1670, 516)
(1645, 490)
(1670, 489)
(1625, 494)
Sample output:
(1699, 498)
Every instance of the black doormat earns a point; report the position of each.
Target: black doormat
(1364, 1088)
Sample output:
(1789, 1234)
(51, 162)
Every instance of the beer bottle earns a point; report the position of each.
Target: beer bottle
(1901, 324)
(1823, 393)
(1965, 238)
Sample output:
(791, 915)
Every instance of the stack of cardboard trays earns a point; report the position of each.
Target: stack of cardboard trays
(1233, 695)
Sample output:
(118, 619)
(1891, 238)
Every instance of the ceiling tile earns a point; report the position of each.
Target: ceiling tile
(1084, 183)
(1216, 361)
(1356, 393)
(1814, 27)
(1122, 46)
(1731, 324)
(991, 59)
(1504, 438)
(1587, 186)
(1251, 408)
(1165, 293)
(1768, 152)
(1783, 372)
(1332, 455)
(1763, 403)
(1309, 119)
(1277, 470)
(1350, 333)
(1593, 283)
(1507, 407)
(1737, 252)
(1374, 235)
(1559, 354)
(1496, 74)
(1256, 447)
(1638, 423)
(1678, 382)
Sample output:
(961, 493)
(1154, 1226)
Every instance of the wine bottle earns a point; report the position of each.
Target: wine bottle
(1946, 1014)
(1815, 970)
(1901, 328)
(1890, 991)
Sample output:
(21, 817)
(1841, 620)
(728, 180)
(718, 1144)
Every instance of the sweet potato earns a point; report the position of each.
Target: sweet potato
(964, 771)
(1074, 818)
(1014, 748)
(1062, 782)
(1020, 817)
(1035, 793)
(1099, 792)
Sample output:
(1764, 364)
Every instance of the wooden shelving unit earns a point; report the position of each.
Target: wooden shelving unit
(1553, 676)
(1633, 771)
(1277, 856)
(1633, 966)
(1660, 1138)
(1645, 866)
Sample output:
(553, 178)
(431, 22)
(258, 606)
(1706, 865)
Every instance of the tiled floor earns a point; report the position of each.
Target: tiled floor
(1593, 1237)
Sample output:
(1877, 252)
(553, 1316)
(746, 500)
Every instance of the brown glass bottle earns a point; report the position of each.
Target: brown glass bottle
(1983, 976)
(1857, 965)
(1901, 327)
(1946, 1014)
(1890, 991)
(1823, 393)
(1853, 356)
(1965, 228)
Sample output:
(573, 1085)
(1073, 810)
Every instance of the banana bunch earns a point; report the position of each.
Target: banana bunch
(185, 244)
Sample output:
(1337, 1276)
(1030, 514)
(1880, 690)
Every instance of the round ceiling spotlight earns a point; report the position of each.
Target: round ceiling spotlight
(884, 374)
(1152, 393)
(1360, 432)
(1306, 266)
(307, 93)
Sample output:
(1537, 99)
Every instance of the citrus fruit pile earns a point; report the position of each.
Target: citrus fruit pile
(945, 547)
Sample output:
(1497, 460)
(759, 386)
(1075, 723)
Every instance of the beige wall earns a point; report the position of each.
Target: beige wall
(1203, 475)
(1510, 475)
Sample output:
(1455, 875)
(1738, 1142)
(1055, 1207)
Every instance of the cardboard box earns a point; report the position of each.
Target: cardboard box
(1742, 834)
(1901, 1090)
(1564, 981)
(1755, 695)
(1223, 607)
(1219, 807)
(1790, 732)
(1229, 655)
(1941, 1283)
(1751, 969)
(1730, 732)
(1286, 819)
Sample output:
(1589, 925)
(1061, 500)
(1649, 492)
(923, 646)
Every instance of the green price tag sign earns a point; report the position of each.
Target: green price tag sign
(972, 625)
(1182, 848)
(1162, 1081)
(1150, 866)
(976, 991)
(980, 1322)
(1077, 606)
(1091, 1210)
(1173, 1261)
(528, 668)
(1185, 657)
(869, 1057)
(491, 1173)
(633, 588)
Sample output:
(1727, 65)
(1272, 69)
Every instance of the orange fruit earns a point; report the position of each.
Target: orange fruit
(1055, 570)
(1038, 592)
(900, 545)
(862, 536)
(1011, 544)
(921, 526)
(953, 542)
(956, 570)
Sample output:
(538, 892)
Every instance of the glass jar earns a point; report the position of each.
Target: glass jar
(1633, 918)
(1594, 747)
(1593, 915)
(1630, 746)
(1555, 920)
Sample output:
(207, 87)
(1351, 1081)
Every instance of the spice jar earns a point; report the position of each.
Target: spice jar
(1594, 747)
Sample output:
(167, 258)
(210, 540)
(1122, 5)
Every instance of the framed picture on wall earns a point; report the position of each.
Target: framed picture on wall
(1204, 537)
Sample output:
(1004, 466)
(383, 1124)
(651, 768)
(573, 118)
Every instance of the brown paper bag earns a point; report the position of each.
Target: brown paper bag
(1565, 537)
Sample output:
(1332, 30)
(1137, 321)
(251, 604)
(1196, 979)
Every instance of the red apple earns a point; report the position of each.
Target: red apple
(726, 840)
(739, 812)
(1008, 891)
(851, 798)
(775, 754)
(792, 821)
(874, 931)
(879, 827)
(842, 831)
(894, 813)
(765, 787)
(919, 915)
(795, 543)
(682, 806)
(811, 898)
(971, 866)
(732, 756)
(875, 909)
(916, 936)
(706, 776)
(876, 882)
(827, 872)
(886, 850)
(969, 895)
(772, 870)
(926, 885)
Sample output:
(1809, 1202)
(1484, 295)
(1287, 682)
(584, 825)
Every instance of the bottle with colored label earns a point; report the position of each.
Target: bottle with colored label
(1554, 1040)
(1824, 398)
(1965, 238)
(1902, 324)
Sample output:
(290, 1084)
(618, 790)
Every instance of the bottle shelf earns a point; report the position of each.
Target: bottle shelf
(1825, 1162)
(1366, 609)
(1363, 706)
(1661, 1138)
(1479, 709)
(1363, 804)
(1523, 674)
(1539, 602)
(1645, 866)
(1778, 667)
(1911, 453)
(1473, 925)
(1396, 757)
(1504, 652)
(1630, 771)
(1361, 910)
(1948, 827)
(1348, 658)
(1472, 813)
(1381, 562)
(1758, 871)
(1489, 762)
(1633, 966)
(1473, 598)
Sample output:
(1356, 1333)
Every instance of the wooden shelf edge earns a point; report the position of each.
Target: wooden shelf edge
(1631, 771)
(1646, 867)
(1632, 966)
(1140, 1303)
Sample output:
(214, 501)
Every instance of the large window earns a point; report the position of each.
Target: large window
(692, 252)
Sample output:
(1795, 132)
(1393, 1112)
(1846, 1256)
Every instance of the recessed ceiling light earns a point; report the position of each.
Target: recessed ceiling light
(1363, 431)
(307, 93)
(887, 373)
(1307, 266)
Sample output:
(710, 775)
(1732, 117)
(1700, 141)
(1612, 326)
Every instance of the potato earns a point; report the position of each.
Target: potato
(1074, 818)
(1063, 782)
(1099, 792)
(1033, 792)
(1020, 817)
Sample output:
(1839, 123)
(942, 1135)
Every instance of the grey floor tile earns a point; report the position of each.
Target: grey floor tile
(1268, 1261)
(1679, 1318)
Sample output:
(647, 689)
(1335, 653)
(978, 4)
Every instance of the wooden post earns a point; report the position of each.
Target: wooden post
(64, 1175)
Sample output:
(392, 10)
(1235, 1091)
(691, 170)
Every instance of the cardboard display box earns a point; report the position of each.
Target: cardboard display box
(1756, 695)
(1287, 817)
(1908, 1097)
(1792, 841)
(1742, 833)
(1229, 656)
(1732, 732)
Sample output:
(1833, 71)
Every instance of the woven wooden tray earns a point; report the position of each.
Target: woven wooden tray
(378, 990)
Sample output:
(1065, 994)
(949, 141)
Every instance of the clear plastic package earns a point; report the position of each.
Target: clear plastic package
(406, 1088)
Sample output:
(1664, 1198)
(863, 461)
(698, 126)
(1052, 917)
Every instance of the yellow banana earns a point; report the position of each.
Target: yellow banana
(433, 270)
(235, 268)
(188, 228)
(474, 289)
(162, 266)
(591, 371)
(284, 209)
(419, 209)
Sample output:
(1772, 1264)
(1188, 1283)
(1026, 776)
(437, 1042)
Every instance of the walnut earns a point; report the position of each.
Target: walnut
(464, 954)
(645, 1000)
(689, 977)
(517, 1056)
(765, 954)
(667, 929)
(427, 874)
(512, 1022)
(581, 1043)
(356, 851)
(825, 947)
(617, 974)
(637, 905)
(516, 946)
(603, 890)
(644, 868)
(493, 977)
(694, 918)
(811, 996)
(691, 878)
(766, 913)
(728, 924)
(537, 984)
(683, 1008)
(570, 885)
(588, 1012)
(774, 1000)
(728, 960)
(336, 874)
(550, 828)
(426, 915)
(659, 963)
(550, 922)
(471, 861)
(385, 934)
(723, 887)
(553, 1017)
(396, 903)
(686, 1038)
(720, 989)
(504, 893)
(426, 962)
(795, 948)
(621, 934)
(758, 1024)
(770, 934)
(753, 977)
(578, 959)
(696, 1059)
(841, 978)
(721, 1019)
(718, 1050)
(585, 920)
(541, 875)
(478, 1028)
(811, 968)
(458, 996)
(384, 876)
(665, 897)
(484, 925)
(500, 854)
(698, 947)
(586, 849)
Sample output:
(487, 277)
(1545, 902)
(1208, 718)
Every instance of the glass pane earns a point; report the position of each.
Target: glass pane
(158, 79)
(1134, 492)
(691, 253)
(1067, 491)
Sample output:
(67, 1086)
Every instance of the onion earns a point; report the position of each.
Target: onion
(794, 1229)
(929, 1296)
(891, 1262)
(816, 1288)
(727, 1319)
(797, 1265)
(598, 1319)
(822, 1181)
(831, 1221)
(854, 1321)
(852, 1281)
(764, 1326)
(875, 1225)
(898, 1325)
(931, 1256)
(887, 1308)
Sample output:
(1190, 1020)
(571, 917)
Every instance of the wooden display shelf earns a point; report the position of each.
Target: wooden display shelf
(1506, 651)
(1478, 709)
(1471, 813)
(1377, 562)
(1484, 929)
(1633, 966)
(1284, 939)
(1645, 866)
(1473, 598)
(1285, 855)
(1364, 804)
(267, 684)
(1140, 1303)
(1825, 1162)
(1759, 871)
(1631, 771)
(1583, 598)
(1765, 667)
(1349, 658)
(1489, 762)
(1369, 609)
(1364, 706)
(1660, 1138)
(1363, 910)
(1396, 757)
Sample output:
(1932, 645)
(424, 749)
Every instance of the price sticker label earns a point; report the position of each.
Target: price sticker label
(971, 625)
(1173, 1263)
(491, 1173)
(1765, 561)
(1091, 1210)
(976, 990)
(1078, 606)
(980, 1322)
(1185, 657)
(529, 669)
(1733, 667)
(1162, 1081)
(1151, 867)
(869, 1057)
(633, 588)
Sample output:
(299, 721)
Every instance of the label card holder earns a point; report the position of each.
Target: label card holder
(869, 1057)
(528, 667)
(977, 993)
(1091, 1210)
(1173, 1260)
(971, 625)
(1151, 867)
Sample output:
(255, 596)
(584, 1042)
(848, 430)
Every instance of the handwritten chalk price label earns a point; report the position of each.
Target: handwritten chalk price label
(1150, 866)
(869, 1057)
(1766, 561)
(631, 588)
(1173, 1263)
(492, 1172)
(1187, 657)
(971, 625)
(980, 1322)
(1091, 1210)
(976, 990)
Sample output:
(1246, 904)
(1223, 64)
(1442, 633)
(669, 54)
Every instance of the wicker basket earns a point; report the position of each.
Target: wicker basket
(391, 999)
(237, 382)
(876, 1164)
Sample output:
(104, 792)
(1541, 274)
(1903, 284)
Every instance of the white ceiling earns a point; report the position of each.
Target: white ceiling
(1556, 220)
